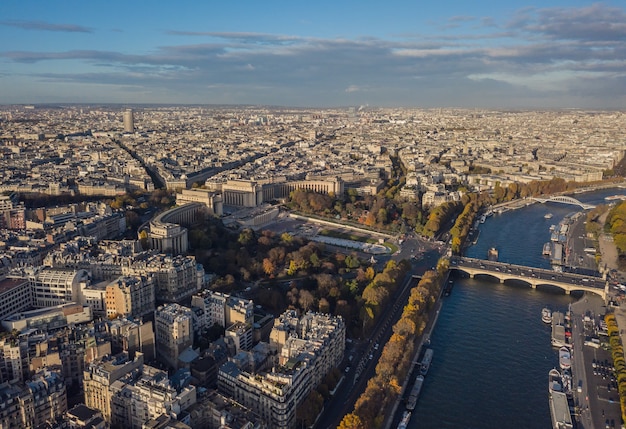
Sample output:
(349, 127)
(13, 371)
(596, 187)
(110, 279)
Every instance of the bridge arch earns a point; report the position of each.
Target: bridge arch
(564, 199)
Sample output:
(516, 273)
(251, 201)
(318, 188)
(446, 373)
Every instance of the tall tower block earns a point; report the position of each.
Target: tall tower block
(129, 122)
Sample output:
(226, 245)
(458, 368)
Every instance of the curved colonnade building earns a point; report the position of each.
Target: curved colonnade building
(166, 233)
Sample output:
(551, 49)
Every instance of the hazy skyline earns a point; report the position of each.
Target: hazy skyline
(563, 54)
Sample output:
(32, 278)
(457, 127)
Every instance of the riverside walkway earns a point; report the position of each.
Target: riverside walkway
(533, 276)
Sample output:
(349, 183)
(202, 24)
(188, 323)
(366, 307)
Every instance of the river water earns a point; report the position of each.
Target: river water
(492, 352)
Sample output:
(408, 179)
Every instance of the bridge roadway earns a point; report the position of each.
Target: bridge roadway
(533, 276)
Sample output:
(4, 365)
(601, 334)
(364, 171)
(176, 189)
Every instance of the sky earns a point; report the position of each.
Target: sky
(322, 53)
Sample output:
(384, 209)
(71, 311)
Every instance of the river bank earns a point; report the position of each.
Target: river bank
(424, 339)
(492, 351)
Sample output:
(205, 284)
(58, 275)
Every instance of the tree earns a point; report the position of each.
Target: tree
(269, 267)
(324, 306)
(286, 238)
(352, 261)
(351, 421)
(306, 300)
(370, 219)
(245, 237)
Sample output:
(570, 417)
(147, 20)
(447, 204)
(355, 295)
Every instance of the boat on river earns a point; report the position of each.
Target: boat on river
(555, 381)
(404, 423)
(546, 315)
(428, 357)
(565, 358)
(615, 197)
(548, 216)
(547, 249)
(560, 412)
(415, 393)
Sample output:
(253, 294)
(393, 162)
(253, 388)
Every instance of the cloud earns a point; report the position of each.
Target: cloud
(46, 26)
(597, 22)
(242, 37)
(507, 62)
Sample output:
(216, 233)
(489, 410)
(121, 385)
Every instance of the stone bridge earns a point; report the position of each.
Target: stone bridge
(533, 276)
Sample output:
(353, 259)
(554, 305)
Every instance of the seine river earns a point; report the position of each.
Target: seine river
(492, 352)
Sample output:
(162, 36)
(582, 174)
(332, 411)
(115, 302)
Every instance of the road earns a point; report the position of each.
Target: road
(599, 399)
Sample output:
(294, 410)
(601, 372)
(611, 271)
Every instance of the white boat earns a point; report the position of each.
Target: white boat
(565, 358)
(555, 381)
(615, 197)
(546, 315)
(548, 216)
(404, 423)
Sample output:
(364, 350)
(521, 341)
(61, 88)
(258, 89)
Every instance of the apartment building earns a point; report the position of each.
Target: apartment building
(214, 410)
(31, 405)
(222, 309)
(274, 396)
(175, 277)
(132, 337)
(130, 297)
(49, 397)
(100, 374)
(308, 348)
(173, 331)
(16, 294)
(136, 400)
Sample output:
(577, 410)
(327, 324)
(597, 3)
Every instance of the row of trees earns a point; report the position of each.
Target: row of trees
(376, 295)
(463, 225)
(440, 217)
(619, 362)
(393, 366)
(616, 225)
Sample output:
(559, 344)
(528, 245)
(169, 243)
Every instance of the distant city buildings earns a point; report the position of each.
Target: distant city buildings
(129, 121)
(85, 311)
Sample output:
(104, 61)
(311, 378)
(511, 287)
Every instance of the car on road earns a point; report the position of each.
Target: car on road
(347, 369)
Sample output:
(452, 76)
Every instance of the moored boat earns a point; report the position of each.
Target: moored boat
(404, 423)
(415, 392)
(565, 358)
(555, 383)
(547, 249)
(428, 357)
(546, 315)
(560, 412)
